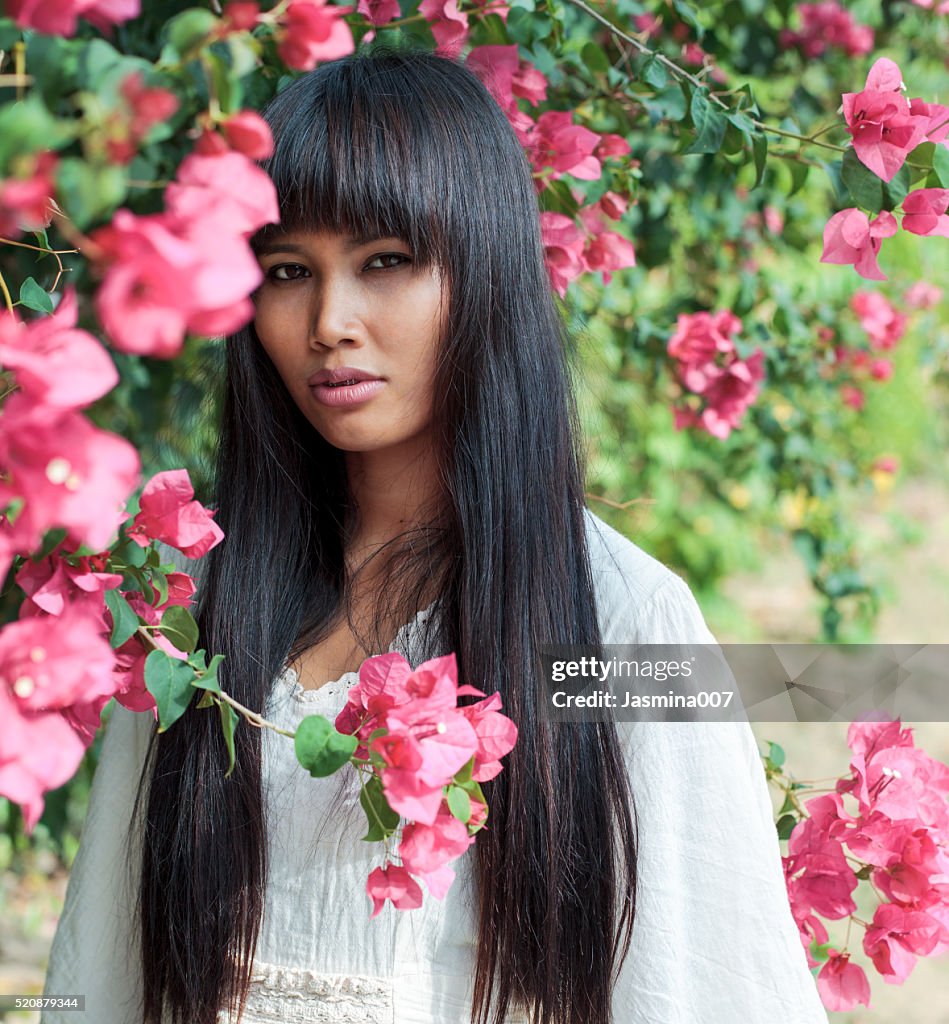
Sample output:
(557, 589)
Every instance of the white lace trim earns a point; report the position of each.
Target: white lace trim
(291, 678)
(290, 994)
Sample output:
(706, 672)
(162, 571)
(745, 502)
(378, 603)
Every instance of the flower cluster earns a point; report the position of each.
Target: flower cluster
(709, 366)
(59, 469)
(886, 128)
(827, 24)
(57, 667)
(190, 267)
(897, 839)
(427, 756)
(556, 145)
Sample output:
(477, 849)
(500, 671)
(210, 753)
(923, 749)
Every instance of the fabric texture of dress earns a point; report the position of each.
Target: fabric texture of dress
(713, 942)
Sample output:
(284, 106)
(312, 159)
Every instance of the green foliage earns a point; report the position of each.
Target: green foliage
(320, 748)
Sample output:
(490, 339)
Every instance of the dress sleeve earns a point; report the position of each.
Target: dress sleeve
(713, 937)
(96, 946)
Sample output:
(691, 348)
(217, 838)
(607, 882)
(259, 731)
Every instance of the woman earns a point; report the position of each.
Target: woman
(399, 448)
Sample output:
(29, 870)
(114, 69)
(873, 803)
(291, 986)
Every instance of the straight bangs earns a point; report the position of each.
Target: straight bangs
(355, 151)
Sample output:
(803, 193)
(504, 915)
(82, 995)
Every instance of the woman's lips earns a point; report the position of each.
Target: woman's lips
(343, 394)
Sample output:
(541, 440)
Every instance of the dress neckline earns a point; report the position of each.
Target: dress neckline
(291, 679)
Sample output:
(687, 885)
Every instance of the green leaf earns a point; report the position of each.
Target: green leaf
(89, 193)
(124, 621)
(178, 626)
(27, 126)
(864, 186)
(96, 60)
(320, 748)
(776, 754)
(654, 73)
(209, 680)
(785, 826)
(34, 297)
(709, 122)
(229, 722)
(594, 57)
(896, 189)
(941, 165)
(244, 51)
(160, 583)
(759, 147)
(459, 803)
(463, 774)
(799, 172)
(131, 554)
(382, 820)
(189, 29)
(168, 680)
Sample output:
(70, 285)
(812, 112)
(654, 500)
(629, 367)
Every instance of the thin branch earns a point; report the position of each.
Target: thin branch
(681, 73)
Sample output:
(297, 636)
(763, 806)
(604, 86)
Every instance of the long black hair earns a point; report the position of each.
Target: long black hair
(395, 142)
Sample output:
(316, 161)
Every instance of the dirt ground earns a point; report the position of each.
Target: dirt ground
(780, 606)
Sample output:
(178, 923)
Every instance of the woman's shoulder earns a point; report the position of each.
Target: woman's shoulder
(639, 599)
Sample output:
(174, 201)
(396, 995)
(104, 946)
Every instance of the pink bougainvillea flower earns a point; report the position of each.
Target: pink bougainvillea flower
(729, 393)
(935, 116)
(851, 237)
(563, 245)
(819, 877)
(700, 337)
(143, 301)
(53, 584)
(169, 513)
(228, 189)
(191, 269)
(60, 18)
(52, 663)
(608, 251)
(449, 25)
(379, 12)
(248, 133)
(393, 882)
(240, 16)
(148, 105)
(565, 147)
(26, 202)
(841, 984)
(897, 937)
(922, 295)
(311, 31)
(884, 129)
(884, 324)
(827, 24)
(54, 362)
(924, 212)
(496, 735)
(39, 751)
(425, 746)
(426, 848)
(68, 472)
(611, 145)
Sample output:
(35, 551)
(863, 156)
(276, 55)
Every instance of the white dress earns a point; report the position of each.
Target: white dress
(713, 942)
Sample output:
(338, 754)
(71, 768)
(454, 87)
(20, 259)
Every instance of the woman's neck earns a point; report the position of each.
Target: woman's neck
(393, 489)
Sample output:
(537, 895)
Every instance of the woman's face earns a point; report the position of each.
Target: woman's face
(354, 309)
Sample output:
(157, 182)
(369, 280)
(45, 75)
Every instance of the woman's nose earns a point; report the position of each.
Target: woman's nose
(337, 316)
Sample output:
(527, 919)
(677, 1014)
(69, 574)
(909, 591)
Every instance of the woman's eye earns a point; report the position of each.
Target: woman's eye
(399, 257)
(275, 272)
